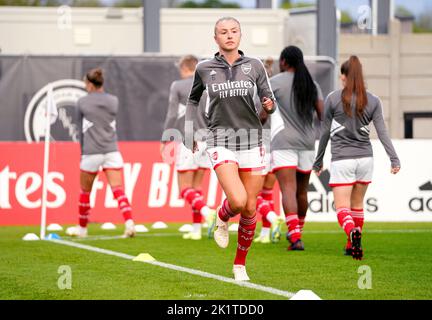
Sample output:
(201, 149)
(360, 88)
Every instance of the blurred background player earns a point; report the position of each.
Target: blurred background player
(293, 142)
(190, 166)
(98, 139)
(348, 113)
(234, 142)
(265, 204)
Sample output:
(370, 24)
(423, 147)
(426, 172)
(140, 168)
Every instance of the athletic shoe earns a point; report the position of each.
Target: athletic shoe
(355, 237)
(296, 246)
(265, 239)
(192, 236)
(275, 233)
(211, 222)
(82, 232)
(221, 234)
(348, 249)
(130, 229)
(240, 273)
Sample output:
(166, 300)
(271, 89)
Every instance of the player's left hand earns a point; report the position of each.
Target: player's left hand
(267, 104)
(395, 170)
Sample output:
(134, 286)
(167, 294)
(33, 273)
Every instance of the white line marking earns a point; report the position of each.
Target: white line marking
(179, 268)
(168, 234)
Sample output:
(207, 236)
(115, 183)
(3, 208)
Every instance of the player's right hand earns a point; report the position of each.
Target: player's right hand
(318, 172)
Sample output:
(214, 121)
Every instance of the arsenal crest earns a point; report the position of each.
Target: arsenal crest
(246, 68)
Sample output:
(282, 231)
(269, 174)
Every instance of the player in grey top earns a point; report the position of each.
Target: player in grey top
(230, 88)
(348, 113)
(231, 80)
(190, 168)
(96, 116)
(299, 98)
(179, 93)
(270, 232)
(97, 113)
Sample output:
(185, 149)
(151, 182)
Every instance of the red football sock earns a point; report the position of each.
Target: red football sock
(246, 233)
(345, 220)
(225, 212)
(265, 222)
(262, 207)
(267, 195)
(358, 217)
(301, 223)
(292, 223)
(194, 198)
(196, 216)
(84, 208)
(123, 203)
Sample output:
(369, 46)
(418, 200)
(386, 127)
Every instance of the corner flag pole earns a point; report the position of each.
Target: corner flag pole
(51, 111)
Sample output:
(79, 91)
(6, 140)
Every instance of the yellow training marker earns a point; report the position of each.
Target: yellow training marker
(143, 257)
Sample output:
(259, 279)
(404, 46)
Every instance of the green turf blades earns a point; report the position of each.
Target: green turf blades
(399, 256)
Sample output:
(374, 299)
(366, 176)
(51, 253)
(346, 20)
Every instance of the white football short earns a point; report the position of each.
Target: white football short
(247, 160)
(186, 160)
(91, 163)
(267, 161)
(351, 171)
(301, 160)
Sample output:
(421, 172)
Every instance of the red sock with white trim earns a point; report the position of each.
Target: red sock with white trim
(84, 208)
(225, 211)
(196, 216)
(123, 203)
(345, 220)
(246, 232)
(259, 206)
(292, 222)
(196, 219)
(301, 222)
(358, 217)
(267, 195)
(195, 199)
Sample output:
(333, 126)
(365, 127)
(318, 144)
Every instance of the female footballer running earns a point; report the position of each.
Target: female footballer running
(234, 142)
(190, 166)
(293, 143)
(98, 138)
(348, 113)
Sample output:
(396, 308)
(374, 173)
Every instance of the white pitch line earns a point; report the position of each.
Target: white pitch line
(102, 237)
(167, 234)
(181, 269)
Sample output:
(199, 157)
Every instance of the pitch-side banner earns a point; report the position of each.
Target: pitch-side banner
(151, 186)
(140, 82)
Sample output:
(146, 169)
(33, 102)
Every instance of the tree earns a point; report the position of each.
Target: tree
(286, 4)
(20, 3)
(209, 4)
(346, 17)
(128, 3)
(87, 3)
(401, 11)
(52, 3)
(423, 23)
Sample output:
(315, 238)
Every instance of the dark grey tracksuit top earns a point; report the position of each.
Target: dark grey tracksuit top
(96, 113)
(178, 112)
(230, 90)
(350, 135)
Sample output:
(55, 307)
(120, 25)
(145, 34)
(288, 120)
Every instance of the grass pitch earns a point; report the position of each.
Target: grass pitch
(399, 255)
